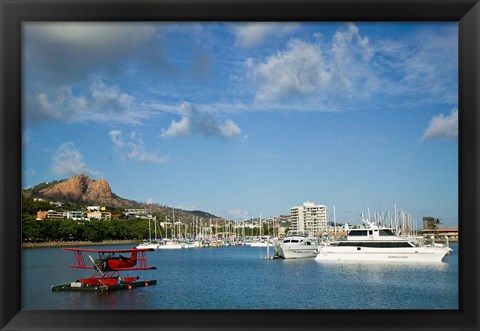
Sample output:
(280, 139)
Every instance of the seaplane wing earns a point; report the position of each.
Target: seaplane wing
(111, 259)
(127, 250)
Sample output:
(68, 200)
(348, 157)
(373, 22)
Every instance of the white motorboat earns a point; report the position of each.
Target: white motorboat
(148, 244)
(297, 244)
(260, 243)
(379, 244)
(169, 244)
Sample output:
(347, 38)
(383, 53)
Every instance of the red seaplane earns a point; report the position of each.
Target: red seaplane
(107, 268)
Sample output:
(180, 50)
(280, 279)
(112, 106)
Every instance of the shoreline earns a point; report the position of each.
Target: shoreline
(78, 243)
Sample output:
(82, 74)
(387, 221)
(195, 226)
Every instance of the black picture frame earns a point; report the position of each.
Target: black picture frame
(14, 12)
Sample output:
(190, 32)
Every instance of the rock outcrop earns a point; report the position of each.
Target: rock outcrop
(82, 189)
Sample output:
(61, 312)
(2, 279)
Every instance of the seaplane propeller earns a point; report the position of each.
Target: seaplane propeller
(97, 265)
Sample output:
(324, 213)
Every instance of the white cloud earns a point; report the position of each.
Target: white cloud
(299, 70)
(316, 69)
(332, 74)
(102, 103)
(68, 161)
(424, 65)
(176, 129)
(195, 121)
(229, 129)
(443, 127)
(248, 35)
(134, 148)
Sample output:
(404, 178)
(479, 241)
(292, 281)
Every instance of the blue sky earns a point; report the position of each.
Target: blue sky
(243, 119)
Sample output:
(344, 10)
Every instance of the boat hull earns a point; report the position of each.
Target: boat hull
(170, 246)
(259, 244)
(143, 246)
(297, 251)
(414, 254)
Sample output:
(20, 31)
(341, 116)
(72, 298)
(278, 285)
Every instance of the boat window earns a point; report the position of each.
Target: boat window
(286, 241)
(378, 244)
(358, 233)
(308, 243)
(386, 232)
(294, 241)
(370, 232)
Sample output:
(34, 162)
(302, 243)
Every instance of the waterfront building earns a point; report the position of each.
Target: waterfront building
(74, 215)
(309, 217)
(99, 215)
(440, 233)
(42, 214)
(428, 222)
(51, 214)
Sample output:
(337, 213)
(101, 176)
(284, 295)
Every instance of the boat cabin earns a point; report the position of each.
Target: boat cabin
(372, 234)
(299, 241)
(298, 233)
(375, 237)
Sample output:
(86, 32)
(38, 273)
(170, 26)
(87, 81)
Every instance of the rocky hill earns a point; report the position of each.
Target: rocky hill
(82, 190)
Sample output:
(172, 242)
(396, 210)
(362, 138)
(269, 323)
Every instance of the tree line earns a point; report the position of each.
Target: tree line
(71, 230)
(46, 230)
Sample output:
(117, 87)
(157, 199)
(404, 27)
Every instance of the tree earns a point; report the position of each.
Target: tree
(31, 229)
(30, 206)
(67, 229)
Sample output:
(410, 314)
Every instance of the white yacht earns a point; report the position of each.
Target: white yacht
(169, 244)
(261, 242)
(297, 244)
(379, 244)
(148, 244)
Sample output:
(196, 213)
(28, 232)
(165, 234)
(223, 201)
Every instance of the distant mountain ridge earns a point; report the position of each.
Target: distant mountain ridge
(82, 190)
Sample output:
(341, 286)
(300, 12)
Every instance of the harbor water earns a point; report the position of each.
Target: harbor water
(240, 277)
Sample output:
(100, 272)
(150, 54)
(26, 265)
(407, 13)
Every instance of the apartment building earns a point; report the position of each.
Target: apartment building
(309, 217)
(52, 214)
(73, 214)
(99, 215)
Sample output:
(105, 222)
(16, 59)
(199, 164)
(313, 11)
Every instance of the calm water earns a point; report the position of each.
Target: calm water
(241, 278)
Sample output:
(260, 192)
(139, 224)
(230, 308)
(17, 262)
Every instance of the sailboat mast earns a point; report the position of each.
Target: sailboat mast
(261, 232)
(334, 223)
(155, 226)
(149, 231)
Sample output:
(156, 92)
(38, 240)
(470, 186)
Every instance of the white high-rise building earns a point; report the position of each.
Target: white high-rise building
(309, 217)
